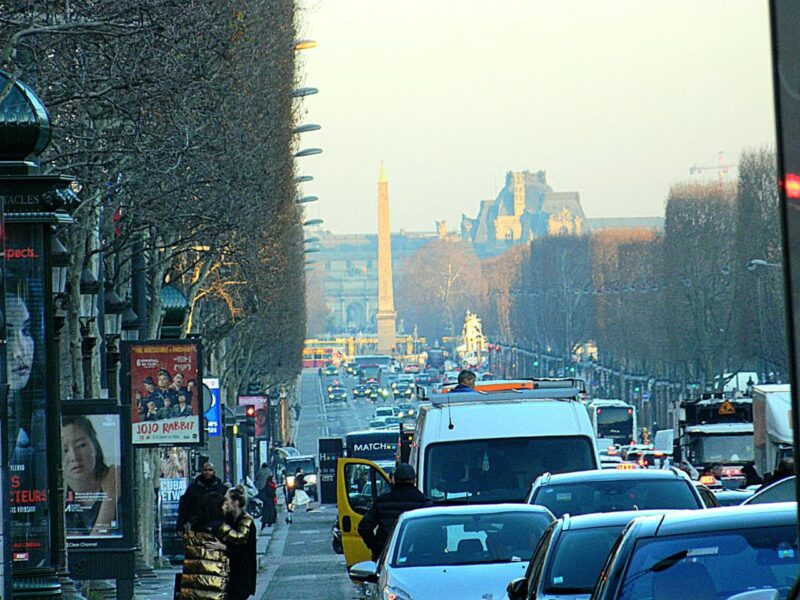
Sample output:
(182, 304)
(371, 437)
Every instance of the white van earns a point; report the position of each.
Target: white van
(479, 447)
(490, 447)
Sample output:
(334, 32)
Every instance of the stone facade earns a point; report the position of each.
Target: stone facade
(526, 208)
(349, 266)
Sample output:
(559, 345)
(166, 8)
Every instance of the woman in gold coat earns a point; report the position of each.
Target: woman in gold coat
(205, 569)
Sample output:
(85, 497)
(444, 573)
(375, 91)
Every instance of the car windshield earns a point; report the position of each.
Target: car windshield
(617, 495)
(577, 559)
(722, 448)
(500, 470)
(384, 412)
(468, 539)
(713, 565)
(306, 464)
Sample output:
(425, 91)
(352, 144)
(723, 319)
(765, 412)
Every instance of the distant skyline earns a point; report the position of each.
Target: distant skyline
(615, 100)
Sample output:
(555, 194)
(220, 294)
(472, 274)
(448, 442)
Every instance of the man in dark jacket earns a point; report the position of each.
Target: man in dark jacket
(378, 524)
(190, 504)
(466, 382)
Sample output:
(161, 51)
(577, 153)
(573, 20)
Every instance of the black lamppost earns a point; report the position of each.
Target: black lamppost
(33, 545)
(114, 308)
(90, 290)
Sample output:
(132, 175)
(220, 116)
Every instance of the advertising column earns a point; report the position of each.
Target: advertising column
(28, 396)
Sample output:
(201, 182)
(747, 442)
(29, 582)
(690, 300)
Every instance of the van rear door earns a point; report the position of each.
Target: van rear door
(358, 483)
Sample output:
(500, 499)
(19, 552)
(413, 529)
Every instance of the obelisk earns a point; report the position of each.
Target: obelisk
(386, 316)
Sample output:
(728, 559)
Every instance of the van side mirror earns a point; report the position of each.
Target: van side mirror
(517, 589)
(364, 572)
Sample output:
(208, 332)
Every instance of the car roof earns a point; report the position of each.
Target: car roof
(607, 519)
(722, 519)
(608, 475)
(476, 509)
(604, 402)
(790, 480)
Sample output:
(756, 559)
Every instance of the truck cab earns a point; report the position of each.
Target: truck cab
(716, 431)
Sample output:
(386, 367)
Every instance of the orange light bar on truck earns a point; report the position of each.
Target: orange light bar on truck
(497, 386)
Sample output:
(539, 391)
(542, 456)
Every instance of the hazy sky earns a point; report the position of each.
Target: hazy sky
(614, 99)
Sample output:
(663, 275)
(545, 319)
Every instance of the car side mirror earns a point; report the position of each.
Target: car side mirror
(765, 594)
(364, 572)
(517, 589)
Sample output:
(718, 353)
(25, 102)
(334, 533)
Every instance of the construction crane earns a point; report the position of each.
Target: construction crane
(721, 168)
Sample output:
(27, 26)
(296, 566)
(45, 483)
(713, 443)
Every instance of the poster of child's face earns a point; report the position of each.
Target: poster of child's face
(91, 458)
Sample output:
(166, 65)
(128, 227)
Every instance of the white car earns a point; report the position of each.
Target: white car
(466, 552)
(384, 411)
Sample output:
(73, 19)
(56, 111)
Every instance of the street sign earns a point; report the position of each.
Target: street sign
(727, 408)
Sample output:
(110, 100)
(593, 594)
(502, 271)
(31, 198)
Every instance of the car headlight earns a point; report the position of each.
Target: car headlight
(312, 479)
(290, 481)
(394, 593)
(400, 415)
(384, 392)
(330, 396)
(410, 413)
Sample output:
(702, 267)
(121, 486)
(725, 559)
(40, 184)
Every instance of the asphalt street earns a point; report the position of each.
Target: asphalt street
(300, 563)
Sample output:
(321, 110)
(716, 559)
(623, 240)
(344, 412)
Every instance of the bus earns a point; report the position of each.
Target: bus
(378, 446)
(613, 419)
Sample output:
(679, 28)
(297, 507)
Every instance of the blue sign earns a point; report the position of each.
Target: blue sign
(212, 414)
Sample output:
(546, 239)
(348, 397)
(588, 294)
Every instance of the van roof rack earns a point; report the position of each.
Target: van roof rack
(548, 393)
(496, 386)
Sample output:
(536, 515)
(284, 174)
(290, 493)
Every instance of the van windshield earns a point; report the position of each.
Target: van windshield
(500, 470)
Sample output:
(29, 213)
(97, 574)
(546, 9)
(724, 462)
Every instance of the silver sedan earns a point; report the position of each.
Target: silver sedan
(460, 552)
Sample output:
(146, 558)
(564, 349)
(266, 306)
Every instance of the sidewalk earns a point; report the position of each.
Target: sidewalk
(161, 585)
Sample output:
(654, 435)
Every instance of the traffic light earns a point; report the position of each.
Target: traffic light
(250, 420)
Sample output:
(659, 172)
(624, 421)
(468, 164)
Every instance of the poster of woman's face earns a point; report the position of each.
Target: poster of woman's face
(24, 322)
(91, 456)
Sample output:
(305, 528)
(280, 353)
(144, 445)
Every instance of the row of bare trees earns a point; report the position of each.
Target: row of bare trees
(176, 119)
(686, 303)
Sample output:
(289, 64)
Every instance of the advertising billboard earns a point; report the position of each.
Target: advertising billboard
(162, 388)
(173, 481)
(92, 459)
(212, 413)
(28, 395)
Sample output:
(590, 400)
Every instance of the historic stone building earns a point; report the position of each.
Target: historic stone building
(349, 265)
(525, 209)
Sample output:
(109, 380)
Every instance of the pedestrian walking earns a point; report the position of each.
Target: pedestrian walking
(261, 477)
(206, 566)
(379, 521)
(301, 498)
(270, 513)
(190, 504)
(240, 541)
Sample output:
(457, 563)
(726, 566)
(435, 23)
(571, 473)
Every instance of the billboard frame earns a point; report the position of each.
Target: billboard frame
(126, 348)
